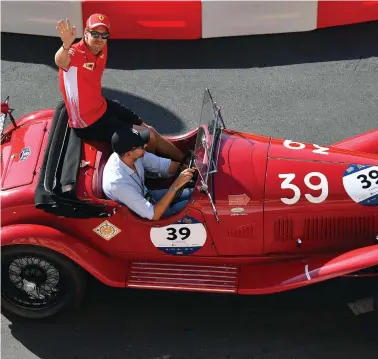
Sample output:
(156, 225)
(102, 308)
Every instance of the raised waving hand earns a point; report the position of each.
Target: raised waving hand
(66, 32)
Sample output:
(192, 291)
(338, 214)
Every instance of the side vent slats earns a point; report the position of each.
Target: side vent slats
(212, 278)
(326, 229)
(242, 232)
(283, 230)
(339, 228)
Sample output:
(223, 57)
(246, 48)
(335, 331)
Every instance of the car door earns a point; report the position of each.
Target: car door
(183, 234)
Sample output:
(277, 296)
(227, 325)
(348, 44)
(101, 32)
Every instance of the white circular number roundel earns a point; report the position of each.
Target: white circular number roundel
(181, 238)
(361, 184)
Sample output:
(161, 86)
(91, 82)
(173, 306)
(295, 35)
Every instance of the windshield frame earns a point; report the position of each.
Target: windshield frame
(208, 136)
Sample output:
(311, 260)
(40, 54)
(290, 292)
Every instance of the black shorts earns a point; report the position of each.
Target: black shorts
(116, 116)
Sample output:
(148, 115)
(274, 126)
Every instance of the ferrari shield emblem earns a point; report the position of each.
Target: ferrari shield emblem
(107, 230)
(89, 65)
(24, 154)
(101, 17)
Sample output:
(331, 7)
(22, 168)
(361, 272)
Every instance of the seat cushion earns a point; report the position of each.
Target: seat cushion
(103, 153)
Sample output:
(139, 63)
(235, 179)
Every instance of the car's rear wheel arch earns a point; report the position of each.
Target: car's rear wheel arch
(105, 267)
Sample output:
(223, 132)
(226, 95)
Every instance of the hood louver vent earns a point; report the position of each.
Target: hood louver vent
(327, 229)
(339, 228)
(283, 230)
(242, 232)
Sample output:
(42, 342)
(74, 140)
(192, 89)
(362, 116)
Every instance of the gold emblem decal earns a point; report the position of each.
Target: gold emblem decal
(101, 17)
(107, 230)
(89, 65)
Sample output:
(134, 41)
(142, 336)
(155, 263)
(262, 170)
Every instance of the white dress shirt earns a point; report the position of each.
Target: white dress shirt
(120, 183)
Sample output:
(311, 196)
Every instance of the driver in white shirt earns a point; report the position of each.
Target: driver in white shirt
(124, 177)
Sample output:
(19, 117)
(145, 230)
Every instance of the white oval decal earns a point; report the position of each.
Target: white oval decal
(184, 237)
(361, 184)
(237, 210)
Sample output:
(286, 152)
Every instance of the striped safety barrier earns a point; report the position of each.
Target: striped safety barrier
(187, 19)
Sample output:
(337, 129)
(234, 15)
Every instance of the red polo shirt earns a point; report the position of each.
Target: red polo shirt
(81, 85)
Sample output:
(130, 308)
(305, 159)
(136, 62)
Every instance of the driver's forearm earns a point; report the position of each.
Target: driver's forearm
(161, 206)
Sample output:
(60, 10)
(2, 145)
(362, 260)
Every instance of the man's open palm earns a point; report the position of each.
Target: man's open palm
(66, 32)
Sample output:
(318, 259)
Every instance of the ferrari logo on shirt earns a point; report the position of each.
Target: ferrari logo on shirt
(101, 17)
(89, 65)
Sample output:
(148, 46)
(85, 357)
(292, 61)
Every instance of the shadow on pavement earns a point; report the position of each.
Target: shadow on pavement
(156, 115)
(333, 44)
(312, 322)
(162, 119)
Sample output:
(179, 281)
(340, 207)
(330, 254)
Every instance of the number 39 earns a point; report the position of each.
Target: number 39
(323, 186)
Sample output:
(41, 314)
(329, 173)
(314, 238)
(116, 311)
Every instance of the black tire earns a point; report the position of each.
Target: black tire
(36, 268)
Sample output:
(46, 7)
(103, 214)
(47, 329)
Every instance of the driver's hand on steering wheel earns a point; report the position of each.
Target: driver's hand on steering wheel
(184, 177)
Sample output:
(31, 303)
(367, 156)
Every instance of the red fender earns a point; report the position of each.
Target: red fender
(280, 276)
(110, 271)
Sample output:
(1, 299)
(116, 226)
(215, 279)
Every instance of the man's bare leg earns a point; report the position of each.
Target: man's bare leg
(159, 144)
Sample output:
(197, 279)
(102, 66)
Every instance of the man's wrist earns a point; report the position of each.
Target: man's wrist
(173, 189)
(66, 47)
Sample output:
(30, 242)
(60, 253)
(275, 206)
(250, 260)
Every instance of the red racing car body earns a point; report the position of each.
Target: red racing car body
(266, 215)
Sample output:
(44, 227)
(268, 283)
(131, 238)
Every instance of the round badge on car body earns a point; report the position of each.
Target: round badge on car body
(361, 184)
(184, 237)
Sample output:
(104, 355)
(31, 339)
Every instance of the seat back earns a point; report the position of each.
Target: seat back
(103, 153)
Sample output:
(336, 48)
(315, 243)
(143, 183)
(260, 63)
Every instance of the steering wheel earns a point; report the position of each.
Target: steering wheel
(191, 182)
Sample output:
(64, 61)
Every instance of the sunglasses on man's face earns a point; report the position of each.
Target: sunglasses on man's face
(96, 34)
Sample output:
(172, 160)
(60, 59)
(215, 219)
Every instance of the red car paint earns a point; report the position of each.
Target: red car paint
(285, 218)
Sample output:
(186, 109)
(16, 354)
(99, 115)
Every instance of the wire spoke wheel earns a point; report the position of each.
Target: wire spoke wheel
(38, 282)
(32, 282)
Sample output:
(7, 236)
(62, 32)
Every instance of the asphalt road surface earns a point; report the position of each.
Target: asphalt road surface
(318, 87)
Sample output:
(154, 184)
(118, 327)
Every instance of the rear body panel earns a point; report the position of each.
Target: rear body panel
(21, 160)
(21, 155)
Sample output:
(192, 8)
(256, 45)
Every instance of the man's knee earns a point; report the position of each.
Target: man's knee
(153, 134)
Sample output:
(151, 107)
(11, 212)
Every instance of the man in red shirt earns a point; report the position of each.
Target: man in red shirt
(91, 115)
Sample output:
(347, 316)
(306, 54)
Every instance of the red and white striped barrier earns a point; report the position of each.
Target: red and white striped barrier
(187, 19)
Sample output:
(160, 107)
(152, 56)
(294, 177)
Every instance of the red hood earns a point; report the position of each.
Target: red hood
(287, 149)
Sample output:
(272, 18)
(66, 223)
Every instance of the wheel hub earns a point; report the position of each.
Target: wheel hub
(35, 282)
(29, 286)
(34, 274)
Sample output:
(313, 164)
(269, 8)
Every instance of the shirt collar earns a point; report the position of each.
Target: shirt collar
(83, 47)
(123, 166)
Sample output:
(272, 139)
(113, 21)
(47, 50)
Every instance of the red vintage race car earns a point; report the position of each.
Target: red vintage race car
(266, 215)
